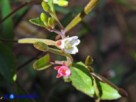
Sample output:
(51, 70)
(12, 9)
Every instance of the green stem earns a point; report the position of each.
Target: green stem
(34, 40)
(59, 52)
(97, 100)
(81, 15)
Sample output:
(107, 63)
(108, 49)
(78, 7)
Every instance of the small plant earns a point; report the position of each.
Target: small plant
(80, 74)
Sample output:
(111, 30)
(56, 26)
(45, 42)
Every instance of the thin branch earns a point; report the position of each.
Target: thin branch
(29, 61)
(18, 8)
(81, 15)
(6, 40)
(14, 11)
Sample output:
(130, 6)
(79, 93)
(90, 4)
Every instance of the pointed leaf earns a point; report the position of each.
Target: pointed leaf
(45, 6)
(88, 60)
(62, 3)
(37, 21)
(14, 77)
(7, 63)
(50, 3)
(5, 9)
(41, 46)
(42, 63)
(81, 79)
(91, 84)
(108, 92)
(44, 18)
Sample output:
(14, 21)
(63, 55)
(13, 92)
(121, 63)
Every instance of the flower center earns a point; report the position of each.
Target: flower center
(68, 45)
(63, 71)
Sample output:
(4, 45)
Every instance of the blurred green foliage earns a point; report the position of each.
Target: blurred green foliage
(115, 60)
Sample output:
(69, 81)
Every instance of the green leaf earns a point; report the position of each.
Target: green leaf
(7, 63)
(15, 77)
(7, 25)
(108, 92)
(44, 18)
(50, 3)
(37, 21)
(88, 60)
(91, 84)
(45, 6)
(41, 46)
(42, 63)
(81, 79)
(51, 22)
(62, 3)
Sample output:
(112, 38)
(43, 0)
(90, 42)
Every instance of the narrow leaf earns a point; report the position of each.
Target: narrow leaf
(45, 6)
(7, 63)
(50, 3)
(41, 46)
(62, 3)
(37, 21)
(88, 60)
(42, 63)
(7, 25)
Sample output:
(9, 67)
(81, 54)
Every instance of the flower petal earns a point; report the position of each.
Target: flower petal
(56, 67)
(73, 50)
(58, 75)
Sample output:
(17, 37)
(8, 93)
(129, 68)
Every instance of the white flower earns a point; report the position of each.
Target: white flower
(69, 44)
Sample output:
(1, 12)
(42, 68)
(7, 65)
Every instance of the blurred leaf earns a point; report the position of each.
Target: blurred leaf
(37, 21)
(108, 92)
(44, 18)
(83, 81)
(15, 77)
(42, 63)
(50, 3)
(7, 25)
(41, 46)
(89, 60)
(45, 6)
(62, 9)
(51, 22)
(131, 4)
(7, 63)
(62, 2)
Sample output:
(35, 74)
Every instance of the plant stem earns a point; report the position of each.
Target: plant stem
(5, 40)
(29, 61)
(97, 100)
(81, 15)
(34, 40)
(59, 52)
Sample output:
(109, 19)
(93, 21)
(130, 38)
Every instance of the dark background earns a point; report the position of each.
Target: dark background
(107, 34)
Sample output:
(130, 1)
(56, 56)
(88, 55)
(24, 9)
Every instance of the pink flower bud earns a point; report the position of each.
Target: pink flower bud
(63, 71)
